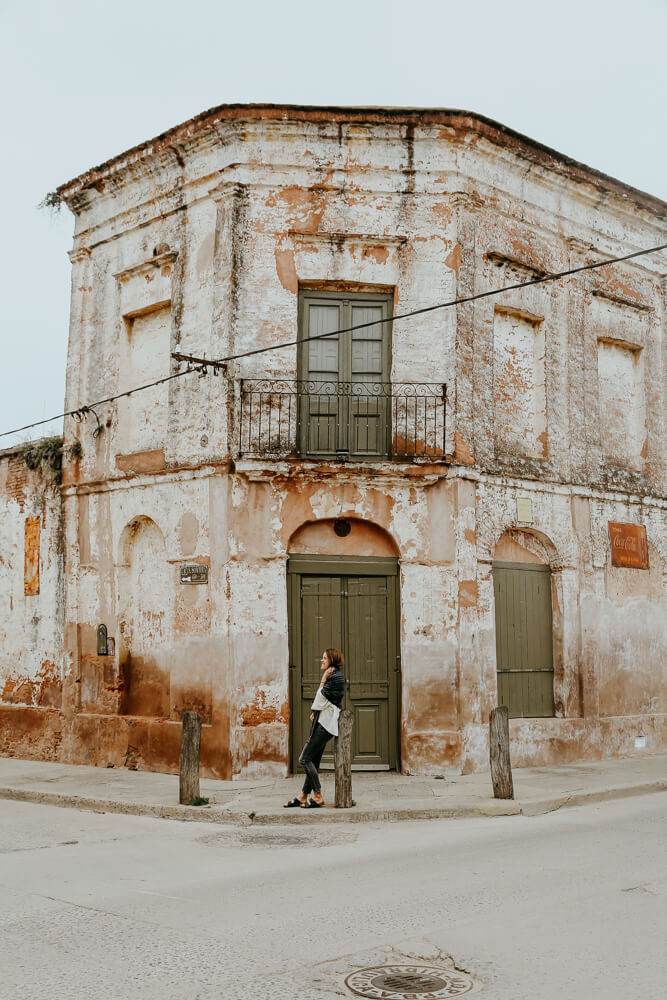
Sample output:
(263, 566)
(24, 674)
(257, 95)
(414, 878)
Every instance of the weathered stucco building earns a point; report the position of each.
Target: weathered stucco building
(434, 494)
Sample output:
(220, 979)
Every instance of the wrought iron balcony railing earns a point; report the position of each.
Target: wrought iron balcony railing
(403, 421)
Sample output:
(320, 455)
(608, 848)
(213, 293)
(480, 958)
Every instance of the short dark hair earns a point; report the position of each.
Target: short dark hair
(335, 657)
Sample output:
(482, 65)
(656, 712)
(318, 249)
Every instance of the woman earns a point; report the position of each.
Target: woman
(324, 719)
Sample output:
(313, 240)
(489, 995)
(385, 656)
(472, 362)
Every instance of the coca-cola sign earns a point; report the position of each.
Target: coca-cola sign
(629, 547)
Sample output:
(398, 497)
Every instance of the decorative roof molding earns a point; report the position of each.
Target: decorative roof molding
(460, 125)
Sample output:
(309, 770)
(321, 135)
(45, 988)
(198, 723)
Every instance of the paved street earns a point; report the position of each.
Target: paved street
(572, 903)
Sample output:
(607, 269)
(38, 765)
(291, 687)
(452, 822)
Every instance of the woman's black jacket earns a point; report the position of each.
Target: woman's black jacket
(333, 688)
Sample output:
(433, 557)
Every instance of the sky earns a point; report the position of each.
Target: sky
(83, 81)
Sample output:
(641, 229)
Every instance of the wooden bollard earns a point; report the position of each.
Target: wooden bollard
(499, 749)
(189, 767)
(343, 760)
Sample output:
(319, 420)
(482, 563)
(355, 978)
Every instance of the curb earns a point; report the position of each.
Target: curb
(213, 814)
(183, 813)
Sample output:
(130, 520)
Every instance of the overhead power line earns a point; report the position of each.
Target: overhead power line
(201, 365)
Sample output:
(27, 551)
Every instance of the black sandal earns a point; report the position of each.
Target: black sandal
(294, 803)
(312, 804)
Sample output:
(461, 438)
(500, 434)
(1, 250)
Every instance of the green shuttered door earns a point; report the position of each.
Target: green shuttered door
(343, 408)
(524, 649)
(357, 612)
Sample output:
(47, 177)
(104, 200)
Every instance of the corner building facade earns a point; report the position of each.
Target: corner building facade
(431, 494)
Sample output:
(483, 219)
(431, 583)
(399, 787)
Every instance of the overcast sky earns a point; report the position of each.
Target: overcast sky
(83, 81)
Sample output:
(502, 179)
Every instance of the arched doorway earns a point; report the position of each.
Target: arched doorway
(342, 585)
(522, 588)
(144, 620)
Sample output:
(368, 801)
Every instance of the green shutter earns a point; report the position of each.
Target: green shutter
(369, 366)
(524, 646)
(319, 402)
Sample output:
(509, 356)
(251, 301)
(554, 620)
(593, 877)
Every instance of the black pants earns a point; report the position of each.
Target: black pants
(311, 755)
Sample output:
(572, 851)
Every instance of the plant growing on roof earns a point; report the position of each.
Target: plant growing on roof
(48, 454)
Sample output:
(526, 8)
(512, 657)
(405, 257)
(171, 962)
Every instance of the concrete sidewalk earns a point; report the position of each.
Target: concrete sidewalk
(378, 796)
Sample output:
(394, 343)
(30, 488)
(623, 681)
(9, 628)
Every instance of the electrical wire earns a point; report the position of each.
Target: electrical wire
(82, 411)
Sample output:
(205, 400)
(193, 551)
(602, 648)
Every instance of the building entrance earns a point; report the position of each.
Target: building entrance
(350, 604)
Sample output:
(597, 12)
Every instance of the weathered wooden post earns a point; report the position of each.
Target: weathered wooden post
(343, 760)
(189, 768)
(499, 748)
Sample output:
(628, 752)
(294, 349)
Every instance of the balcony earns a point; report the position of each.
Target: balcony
(342, 421)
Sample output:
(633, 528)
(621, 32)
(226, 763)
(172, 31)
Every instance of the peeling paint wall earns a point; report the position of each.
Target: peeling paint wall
(520, 413)
(554, 394)
(609, 636)
(31, 622)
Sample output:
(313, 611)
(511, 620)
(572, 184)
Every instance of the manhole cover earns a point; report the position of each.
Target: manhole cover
(408, 982)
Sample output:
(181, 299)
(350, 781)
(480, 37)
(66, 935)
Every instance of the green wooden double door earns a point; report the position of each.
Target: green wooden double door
(351, 605)
(344, 408)
(524, 643)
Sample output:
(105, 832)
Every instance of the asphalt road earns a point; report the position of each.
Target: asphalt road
(569, 904)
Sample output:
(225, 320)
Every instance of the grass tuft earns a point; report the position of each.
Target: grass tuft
(48, 453)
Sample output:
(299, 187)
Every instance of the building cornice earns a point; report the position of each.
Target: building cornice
(555, 487)
(456, 125)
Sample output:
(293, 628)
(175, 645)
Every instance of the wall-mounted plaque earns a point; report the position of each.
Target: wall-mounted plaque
(524, 510)
(629, 547)
(194, 573)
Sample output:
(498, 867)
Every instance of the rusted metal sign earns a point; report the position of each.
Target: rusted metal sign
(194, 573)
(629, 547)
(31, 571)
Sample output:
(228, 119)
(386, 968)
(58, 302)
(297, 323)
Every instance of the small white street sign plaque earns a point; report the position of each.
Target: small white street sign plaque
(194, 573)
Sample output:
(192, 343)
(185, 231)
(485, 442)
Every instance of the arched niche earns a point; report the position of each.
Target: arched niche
(327, 538)
(140, 532)
(144, 601)
(519, 545)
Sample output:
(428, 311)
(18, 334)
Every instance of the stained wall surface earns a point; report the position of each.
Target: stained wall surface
(205, 244)
(31, 623)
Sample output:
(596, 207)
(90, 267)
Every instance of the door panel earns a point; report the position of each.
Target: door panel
(368, 669)
(366, 730)
(356, 614)
(368, 366)
(322, 627)
(366, 363)
(524, 649)
(318, 405)
(323, 359)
